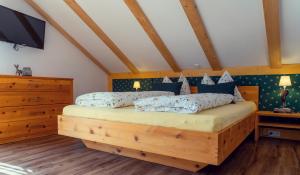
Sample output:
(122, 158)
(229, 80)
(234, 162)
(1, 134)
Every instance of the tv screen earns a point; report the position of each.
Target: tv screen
(18, 28)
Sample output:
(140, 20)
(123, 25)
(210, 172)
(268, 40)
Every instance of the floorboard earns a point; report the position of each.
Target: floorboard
(59, 155)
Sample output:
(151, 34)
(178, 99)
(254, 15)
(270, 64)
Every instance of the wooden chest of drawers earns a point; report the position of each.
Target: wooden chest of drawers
(29, 106)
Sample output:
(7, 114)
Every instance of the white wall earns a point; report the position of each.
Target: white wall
(59, 58)
(290, 27)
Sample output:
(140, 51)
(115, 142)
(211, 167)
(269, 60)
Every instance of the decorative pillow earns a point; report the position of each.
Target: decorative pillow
(226, 77)
(170, 87)
(182, 104)
(167, 80)
(223, 88)
(185, 88)
(207, 80)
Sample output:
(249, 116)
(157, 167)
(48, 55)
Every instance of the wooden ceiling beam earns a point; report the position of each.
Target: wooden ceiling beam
(46, 16)
(101, 34)
(151, 32)
(193, 15)
(272, 23)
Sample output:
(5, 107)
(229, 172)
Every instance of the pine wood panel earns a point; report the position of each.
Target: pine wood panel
(18, 130)
(207, 148)
(192, 13)
(250, 93)
(29, 106)
(245, 70)
(10, 99)
(151, 32)
(154, 139)
(279, 125)
(26, 84)
(109, 84)
(231, 138)
(60, 29)
(291, 128)
(35, 77)
(101, 34)
(291, 134)
(8, 114)
(150, 157)
(272, 23)
(273, 114)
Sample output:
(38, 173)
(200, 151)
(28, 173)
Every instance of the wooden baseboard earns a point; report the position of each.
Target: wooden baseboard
(150, 157)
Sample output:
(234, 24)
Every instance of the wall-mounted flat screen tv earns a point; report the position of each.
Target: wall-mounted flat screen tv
(21, 29)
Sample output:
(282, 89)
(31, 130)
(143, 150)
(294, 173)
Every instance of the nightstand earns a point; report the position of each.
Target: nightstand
(287, 123)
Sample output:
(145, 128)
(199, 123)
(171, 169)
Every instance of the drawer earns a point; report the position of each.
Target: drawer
(27, 84)
(282, 133)
(8, 114)
(16, 129)
(10, 99)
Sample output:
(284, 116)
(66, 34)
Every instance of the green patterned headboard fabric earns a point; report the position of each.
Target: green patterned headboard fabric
(269, 97)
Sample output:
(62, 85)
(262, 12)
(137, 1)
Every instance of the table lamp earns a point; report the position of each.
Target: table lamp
(284, 81)
(136, 85)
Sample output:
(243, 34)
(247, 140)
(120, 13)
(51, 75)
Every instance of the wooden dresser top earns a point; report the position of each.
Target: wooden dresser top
(34, 77)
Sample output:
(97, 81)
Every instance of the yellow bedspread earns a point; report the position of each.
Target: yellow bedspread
(211, 120)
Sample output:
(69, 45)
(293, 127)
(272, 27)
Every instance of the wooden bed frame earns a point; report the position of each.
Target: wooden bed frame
(184, 149)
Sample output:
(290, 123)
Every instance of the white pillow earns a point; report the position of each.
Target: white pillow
(115, 99)
(183, 103)
(167, 80)
(226, 78)
(207, 80)
(185, 88)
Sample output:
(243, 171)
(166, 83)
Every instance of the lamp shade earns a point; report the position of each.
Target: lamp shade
(136, 85)
(285, 81)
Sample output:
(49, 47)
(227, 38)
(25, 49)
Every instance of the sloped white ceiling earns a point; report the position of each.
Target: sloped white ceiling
(290, 31)
(63, 14)
(117, 21)
(172, 25)
(236, 29)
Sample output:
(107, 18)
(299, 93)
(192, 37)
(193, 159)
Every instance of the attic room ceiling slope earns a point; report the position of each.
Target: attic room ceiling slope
(141, 36)
(170, 21)
(38, 9)
(196, 22)
(100, 33)
(117, 21)
(74, 26)
(236, 29)
(153, 35)
(290, 27)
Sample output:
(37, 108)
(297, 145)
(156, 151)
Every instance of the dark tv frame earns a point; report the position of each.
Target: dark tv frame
(22, 44)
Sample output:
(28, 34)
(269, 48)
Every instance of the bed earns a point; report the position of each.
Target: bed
(179, 144)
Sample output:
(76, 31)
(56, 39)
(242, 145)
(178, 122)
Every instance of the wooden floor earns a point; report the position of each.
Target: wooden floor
(62, 155)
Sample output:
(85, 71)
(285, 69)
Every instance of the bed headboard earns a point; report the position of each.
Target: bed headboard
(249, 93)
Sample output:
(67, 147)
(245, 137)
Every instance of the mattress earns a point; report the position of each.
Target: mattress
(212, 120)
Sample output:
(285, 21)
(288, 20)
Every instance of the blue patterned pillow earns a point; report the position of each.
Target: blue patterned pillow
(223, 88)
(171, 87)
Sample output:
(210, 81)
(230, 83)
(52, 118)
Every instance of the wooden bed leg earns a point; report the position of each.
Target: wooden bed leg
(150, 157)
